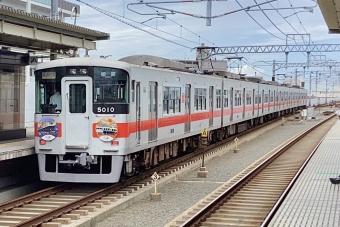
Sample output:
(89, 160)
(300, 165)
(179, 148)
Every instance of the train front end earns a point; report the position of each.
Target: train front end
(80, 122)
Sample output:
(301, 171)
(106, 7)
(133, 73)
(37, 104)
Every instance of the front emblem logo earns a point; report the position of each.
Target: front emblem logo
(47, 128)
(106, 129)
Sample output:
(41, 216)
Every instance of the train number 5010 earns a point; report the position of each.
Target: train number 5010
(105, 109)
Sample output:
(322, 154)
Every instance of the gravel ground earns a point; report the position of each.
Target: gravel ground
(179, 196)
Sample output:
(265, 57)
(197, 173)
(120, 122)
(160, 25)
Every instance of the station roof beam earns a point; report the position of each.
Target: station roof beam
(330, 10)
(25, 30)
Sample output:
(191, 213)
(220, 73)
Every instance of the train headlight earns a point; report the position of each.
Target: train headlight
(83, 71)
(72, 71)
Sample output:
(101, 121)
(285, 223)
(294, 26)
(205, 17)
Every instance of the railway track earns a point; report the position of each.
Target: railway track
(65, 203)
(253, 197)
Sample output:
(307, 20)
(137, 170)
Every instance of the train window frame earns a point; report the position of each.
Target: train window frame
(133, 86)
(249, 97)
(225, 98)
(200, 99)
(218, 98)
(266, 97)
(258, 97)
(110, 85)
(271, 96)
(171, 99)
(237, 97)
(77, 98)
(45, 85)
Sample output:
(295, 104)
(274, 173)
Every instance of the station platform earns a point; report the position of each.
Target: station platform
(314, 201)
(19, 147)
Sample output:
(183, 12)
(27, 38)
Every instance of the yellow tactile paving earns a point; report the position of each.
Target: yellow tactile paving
(314, 201)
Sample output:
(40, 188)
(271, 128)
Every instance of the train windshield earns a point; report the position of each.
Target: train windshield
(48, 90)
(110, 85)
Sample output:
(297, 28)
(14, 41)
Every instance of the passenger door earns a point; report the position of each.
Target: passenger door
(76, 106)
(153, 104)
(253, 103)
(138, 112)
(211, 106)
(231, 104)
(244, 102)
(187, 125)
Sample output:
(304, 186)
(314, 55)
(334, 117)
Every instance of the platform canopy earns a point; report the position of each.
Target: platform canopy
(34, 32)
(331, 13)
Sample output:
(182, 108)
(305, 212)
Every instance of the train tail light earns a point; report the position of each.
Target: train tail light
(114, 143)
(42, 142)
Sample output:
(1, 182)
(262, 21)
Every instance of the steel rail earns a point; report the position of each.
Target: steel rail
(277, 205)
(31, 197)
(210, 208)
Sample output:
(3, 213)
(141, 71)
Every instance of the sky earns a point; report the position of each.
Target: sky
(136, 29)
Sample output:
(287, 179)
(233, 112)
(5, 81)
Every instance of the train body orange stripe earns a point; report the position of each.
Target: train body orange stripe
(125, 129)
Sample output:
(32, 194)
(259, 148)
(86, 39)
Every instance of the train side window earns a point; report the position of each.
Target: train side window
(165, 100)
(218, 98)
(266, 97)
(248, 97)
(171, 100)
(196, 99)
(177, 100)
(271, 97)
(260, 97)
(276, 97)
(237, 98)
(204, 99)
(225, 98)
(133, 91)
(200, 95)
(200, 99)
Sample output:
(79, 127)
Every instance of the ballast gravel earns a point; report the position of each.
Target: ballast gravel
(178, 196)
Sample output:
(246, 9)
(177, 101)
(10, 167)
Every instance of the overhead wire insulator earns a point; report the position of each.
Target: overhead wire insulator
(308, 56)
(286, 53)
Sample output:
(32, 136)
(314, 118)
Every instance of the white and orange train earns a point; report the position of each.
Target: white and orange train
(118, 118)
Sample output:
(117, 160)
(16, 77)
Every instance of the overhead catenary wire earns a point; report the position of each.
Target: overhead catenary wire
(172, 11)
(190, 31)
(297, 16)
(258, 22)
(181, 26)
(285, 20)
(116, 17)
(300, 22)
(288, 23)
(271, 20)
(291, 6)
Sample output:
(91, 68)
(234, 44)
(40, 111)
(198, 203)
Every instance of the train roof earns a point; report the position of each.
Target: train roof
(86, 61)
(149, 60)
(153, 63)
